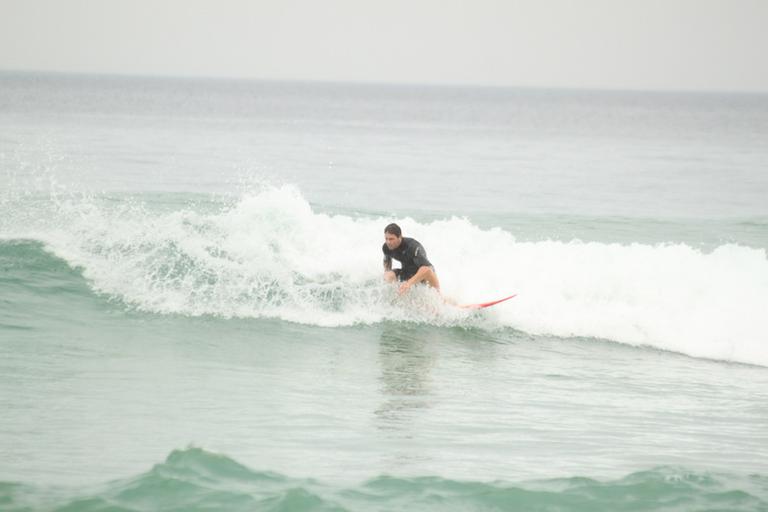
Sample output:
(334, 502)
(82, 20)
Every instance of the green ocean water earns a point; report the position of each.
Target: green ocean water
(192, 315)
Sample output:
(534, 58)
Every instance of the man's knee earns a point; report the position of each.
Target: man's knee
(430, 276)
(390, 276)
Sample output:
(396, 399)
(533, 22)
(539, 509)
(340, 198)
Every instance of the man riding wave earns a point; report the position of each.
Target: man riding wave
(416, 268)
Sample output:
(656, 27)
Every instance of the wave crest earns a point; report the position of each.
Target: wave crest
(194, 479)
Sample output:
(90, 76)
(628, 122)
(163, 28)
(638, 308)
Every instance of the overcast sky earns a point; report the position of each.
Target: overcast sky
(625, 44)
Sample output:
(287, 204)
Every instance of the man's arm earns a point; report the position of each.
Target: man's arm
(387, 263)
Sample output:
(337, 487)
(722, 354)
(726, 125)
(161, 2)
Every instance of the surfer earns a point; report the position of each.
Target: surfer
(416, 268)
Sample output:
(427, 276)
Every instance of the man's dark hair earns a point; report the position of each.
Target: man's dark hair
(394, 229)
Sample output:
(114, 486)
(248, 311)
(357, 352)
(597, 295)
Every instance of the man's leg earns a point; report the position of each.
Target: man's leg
(390, 276)
(431, 279)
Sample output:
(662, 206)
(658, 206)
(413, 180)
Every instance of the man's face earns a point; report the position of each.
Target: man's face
(392, 241)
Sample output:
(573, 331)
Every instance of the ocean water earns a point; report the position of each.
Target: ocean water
(192, 315)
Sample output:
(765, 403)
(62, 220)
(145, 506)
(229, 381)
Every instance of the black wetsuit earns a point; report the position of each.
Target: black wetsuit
(410, 254)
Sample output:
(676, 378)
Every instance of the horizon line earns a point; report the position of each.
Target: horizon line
(376, 82)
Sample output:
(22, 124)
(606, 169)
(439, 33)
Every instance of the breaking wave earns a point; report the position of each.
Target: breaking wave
(268, 254)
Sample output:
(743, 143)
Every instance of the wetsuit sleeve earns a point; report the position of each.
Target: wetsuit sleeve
(420, 257)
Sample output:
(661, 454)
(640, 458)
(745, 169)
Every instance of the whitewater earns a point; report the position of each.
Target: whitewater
(269, 255)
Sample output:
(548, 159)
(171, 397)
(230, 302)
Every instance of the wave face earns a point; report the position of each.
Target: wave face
(269, 255)
(194, 479)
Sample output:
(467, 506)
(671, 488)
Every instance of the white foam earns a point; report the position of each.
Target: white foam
(270, 255)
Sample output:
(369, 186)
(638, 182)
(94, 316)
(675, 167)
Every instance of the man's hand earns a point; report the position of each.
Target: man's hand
(404, 287)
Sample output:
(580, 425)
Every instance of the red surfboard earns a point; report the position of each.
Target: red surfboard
(486, 304)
